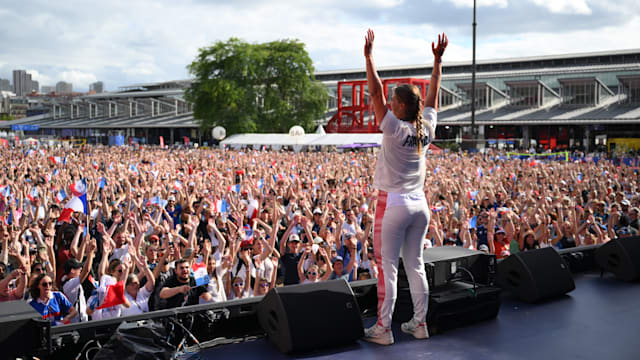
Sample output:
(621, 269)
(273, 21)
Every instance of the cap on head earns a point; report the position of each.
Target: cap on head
(294, 237)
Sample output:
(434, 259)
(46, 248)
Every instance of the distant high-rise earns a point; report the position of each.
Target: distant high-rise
(21, 82)
(64, 88)
(35, 86)
(97, 87)
(48, 89)
(5, 85)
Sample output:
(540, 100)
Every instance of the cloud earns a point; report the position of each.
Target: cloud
(42, 79)
(80, 80)
(565, 6)
(480, 3)
(122, 42)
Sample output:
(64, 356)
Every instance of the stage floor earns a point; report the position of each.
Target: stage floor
(600, 319)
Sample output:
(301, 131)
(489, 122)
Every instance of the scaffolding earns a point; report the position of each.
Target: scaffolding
(355, 113)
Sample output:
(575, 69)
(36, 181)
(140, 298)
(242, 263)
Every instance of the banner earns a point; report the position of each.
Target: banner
(161, 141)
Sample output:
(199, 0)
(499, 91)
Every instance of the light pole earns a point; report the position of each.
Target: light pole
(474, 133)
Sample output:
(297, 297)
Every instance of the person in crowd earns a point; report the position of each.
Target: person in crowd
(180, 289)
(51, 305)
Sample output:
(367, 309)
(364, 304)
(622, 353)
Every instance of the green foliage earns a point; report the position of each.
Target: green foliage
(256, 87)
(6, 117)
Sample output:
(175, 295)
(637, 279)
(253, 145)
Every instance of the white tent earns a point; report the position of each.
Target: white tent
(278, 140)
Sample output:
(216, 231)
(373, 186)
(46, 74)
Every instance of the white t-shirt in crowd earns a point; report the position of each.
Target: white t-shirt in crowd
(72, 289)
(216, 288)
(113, 311)
(139, 305)
(400, 169)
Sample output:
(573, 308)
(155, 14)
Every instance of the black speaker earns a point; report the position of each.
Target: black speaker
(311, 316)
(535, 275)
(621, 256)
(24, 332)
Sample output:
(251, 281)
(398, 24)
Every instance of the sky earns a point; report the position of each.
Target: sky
(126, 42)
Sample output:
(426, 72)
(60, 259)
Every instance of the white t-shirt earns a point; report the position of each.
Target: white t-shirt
(72, 289)
(139, 305)
(217, 293)
(113, 311)
(400, 169)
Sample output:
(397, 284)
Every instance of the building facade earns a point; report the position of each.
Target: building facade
(63, 87)
(21, 82)
(5, 85)
(551, 102)
(96, 87)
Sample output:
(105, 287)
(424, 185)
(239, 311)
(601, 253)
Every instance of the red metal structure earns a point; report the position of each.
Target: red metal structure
(351, 118)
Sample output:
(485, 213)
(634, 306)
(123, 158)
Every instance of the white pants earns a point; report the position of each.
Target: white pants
(395, 228)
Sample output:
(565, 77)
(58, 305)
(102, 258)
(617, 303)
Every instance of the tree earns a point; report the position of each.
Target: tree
(256, 87)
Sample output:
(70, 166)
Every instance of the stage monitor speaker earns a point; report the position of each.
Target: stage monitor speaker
(621, 256)
(535, 275)
(311, 316)
(24, 332)
(442, 264)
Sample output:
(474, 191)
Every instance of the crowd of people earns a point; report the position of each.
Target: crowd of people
(103, 232)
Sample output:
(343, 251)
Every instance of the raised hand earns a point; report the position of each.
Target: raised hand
(438, 50)
(368, 43)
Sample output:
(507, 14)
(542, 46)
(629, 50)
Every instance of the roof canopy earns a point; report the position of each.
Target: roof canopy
(305, 140)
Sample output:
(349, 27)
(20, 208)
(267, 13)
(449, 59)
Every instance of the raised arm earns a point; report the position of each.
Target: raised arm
(373, 80)
(434, 81)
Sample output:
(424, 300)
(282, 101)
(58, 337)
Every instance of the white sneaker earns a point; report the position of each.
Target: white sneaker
(415, 328)
(379, 335)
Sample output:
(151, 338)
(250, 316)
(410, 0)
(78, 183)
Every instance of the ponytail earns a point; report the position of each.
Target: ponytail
(419, 129)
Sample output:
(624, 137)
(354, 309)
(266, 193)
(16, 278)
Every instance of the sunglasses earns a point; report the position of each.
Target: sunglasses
(245, 249)
(264, 285)
(46, 284)
(312, 273)
(120, 271)
(238, 284)
(38, 269)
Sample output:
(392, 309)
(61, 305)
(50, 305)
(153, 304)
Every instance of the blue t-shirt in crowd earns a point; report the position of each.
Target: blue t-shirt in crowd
(55, 309)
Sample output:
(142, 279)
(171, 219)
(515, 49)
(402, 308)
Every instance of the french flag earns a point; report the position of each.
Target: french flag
(220, 206)
(479, 172)
(177, 185)
(79, 188)
(273, 164)
(33, 194)
(156, 200)
(260, 184)
(134, 169)
(513, 177)
(76, 204)
(435, 171)
(55, 159)
(102, 183)
(319, 167)
(56, 172)
(114, 295)
(252, 209)
(349, 180)
(5, 191)
(234, 188)
(95, 165)
(110, 166)
(248, 236)
(472, 195)
(278, 177)
(579, 178)
(200, 272)
(61, 195)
